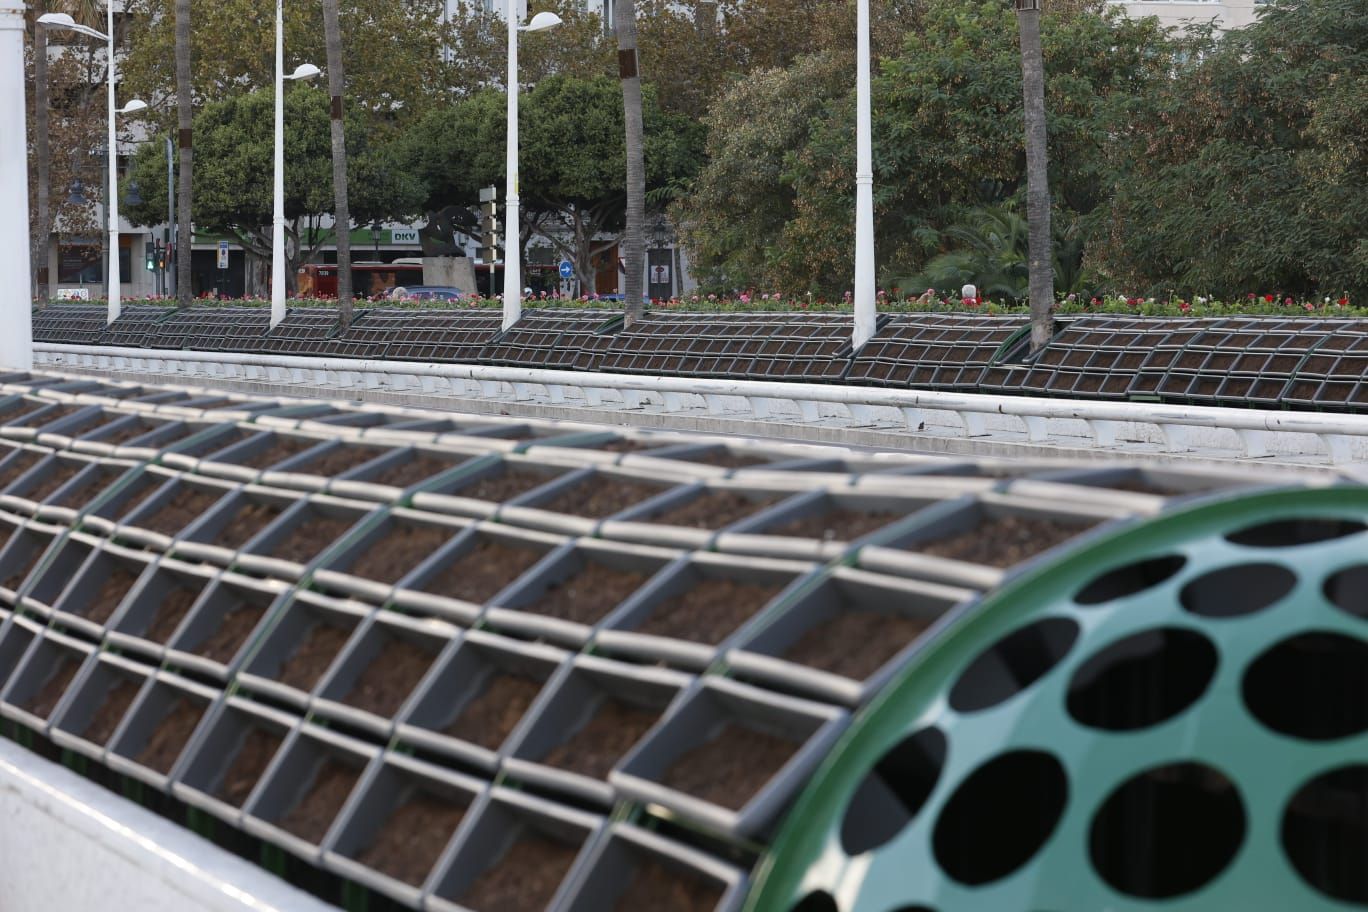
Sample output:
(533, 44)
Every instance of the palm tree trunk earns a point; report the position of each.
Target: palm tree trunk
(634, 238)
(332, 32)
(42, 222)
(1040, 255)
(184, 117)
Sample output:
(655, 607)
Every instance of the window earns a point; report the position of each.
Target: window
(79, 262)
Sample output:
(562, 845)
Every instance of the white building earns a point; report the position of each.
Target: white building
(1228, 14)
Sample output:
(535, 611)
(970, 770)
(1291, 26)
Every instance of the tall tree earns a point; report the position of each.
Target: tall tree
(42, 223)
(634, 234)
(1041, 258)
(341, 213)
(184, 121)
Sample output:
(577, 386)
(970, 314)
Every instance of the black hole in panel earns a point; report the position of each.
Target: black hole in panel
(912, 909)
(1142, 680)
(1167, 831)
(1013, 663)
(1325, 833)
(816, 901)
(1130, 579)
(1288, 533)
(1237, 590)
(1313, 686)
(893, 792)
(1000, 816)
(1348, 590)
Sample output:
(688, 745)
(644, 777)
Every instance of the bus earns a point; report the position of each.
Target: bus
(371, 279)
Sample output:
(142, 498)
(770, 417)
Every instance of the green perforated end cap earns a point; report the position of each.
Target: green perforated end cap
(1174, 717)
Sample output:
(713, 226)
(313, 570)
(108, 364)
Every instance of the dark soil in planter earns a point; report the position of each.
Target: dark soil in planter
(111, 712)
(731, 768)
(624, 445)
(604, 740)
(125, 434)
(339, 460)
(64, 472)
(1003, 541)
(280, 450)
(311, 817)
(247, 522)
(725, 459)
(188, 505)
(837, 524)
(57, 414)
(713, 510)
(588, 595)
(171, 735)
(307, 665)
(26, 460)
(504, 486)
(308, 539)
(482, 572)
(237, 625)
(596, 497)
(663, 889)
(80, 496)
(855, 644)
(17, 578)
(419, 468)
(403, 548)
(489, 718)
(144, 488)
(170, 613)
(1139, 486)
(390, 677)
(120, 580)
(412, 840)
(251, 761)
(524, 879)
(45, 701)
(710, 611)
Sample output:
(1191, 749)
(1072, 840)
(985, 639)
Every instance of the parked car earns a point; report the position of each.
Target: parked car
(426, 292)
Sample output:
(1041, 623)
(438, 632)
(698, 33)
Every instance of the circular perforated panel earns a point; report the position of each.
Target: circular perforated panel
(1173, 715)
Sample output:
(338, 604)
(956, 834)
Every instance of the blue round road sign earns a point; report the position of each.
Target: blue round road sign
(566, 269)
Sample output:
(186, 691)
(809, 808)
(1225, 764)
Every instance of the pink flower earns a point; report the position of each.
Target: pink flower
(1309, 306)
(1287, 301)
(1185, 307)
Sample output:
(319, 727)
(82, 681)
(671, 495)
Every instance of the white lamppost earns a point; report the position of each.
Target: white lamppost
(16, 342)
(865, 309)
(303, 71)
(63, 21)
(512, 299)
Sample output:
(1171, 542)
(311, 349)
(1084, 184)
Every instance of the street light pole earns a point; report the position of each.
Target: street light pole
(865, 308)
(512, 299)
(303, 71)
(16, 342)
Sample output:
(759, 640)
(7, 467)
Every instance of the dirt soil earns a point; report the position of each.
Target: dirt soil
(836, 524)
(126, 433)
(731, 768)
(489, 718)
(390, 677)
(505, 485)
(627, 445)
(16, 579)
(45, 700)
(188, 504)
(64, 471)
(171, 735)
(111, 594)
(80, 496)
(308, 539)
(524, 879)
(142, 489)
(661, 889)
(419, 468)
(247, 522)
(306, 667)
(855, 644)
(713, 510)
(726, 459)
(1003, 541)
(279, 450)
(402, 548)
(251, 761)
(597, 497)
(340, 460)
(111, 711)
(233, 630)
(588, 595)
(483, 571)
(311, 817)
(57, 414)
(411, 841)
(604, 740)
(21, 463)
(710, 611)
(170, 613)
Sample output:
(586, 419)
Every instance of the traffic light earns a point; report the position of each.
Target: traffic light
(151, 260)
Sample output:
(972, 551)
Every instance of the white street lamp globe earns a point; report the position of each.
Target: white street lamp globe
(57, 20)
(136, 104)
(542, 21)
(304, 71)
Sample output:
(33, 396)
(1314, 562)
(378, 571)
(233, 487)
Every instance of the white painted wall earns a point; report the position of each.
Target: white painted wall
(1229, 14)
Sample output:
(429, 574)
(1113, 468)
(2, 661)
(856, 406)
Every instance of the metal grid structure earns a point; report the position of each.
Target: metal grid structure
(80, 324)
(136, 325)
(212, 329)
(1332, 375)
(419, 334)
(1097, 357)
(305, 330)
(933, 351)
(550, 338)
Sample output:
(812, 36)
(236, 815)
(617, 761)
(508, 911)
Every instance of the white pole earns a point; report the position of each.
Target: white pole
(512, 300)
(278, 178)
(114, 278)
(865, 308)
(16, 342)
